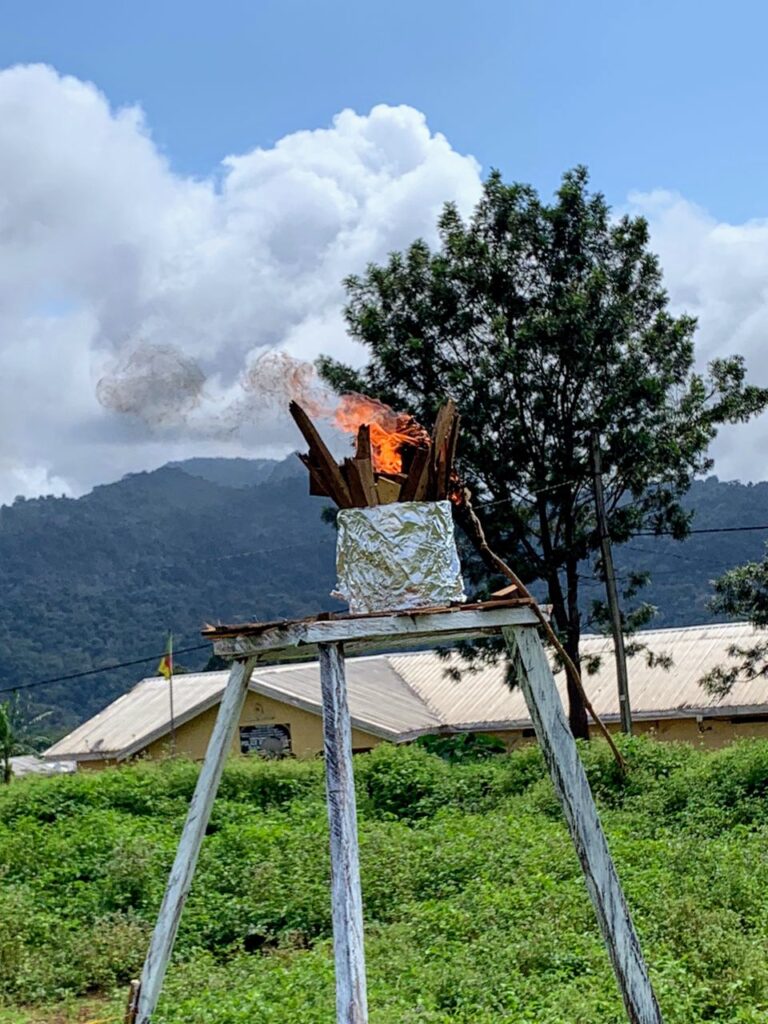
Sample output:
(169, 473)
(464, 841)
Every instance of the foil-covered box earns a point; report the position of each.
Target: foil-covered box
(397, 556)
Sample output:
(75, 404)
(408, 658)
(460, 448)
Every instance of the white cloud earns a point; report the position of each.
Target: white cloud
(718, 273)
(103, 247)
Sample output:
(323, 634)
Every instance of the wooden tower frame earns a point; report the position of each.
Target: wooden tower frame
(329, 638)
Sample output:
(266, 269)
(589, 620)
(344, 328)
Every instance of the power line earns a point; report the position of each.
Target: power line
(704, 529)
(97, 671)
(264, 551)
(644, 533)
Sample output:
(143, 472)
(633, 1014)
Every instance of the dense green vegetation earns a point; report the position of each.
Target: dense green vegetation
(98, 580)
(101, 579)
(476, 909)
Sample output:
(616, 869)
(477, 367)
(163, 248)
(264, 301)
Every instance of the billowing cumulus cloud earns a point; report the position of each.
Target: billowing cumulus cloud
(113, 265)
(126, 286)
(718, 273)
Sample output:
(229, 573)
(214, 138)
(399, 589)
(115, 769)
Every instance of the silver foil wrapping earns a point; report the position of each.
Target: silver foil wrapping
(397, 556)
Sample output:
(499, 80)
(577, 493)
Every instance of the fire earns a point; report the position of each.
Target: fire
(391, 432)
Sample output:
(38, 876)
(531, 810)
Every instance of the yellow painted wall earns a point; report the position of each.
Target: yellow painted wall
(307, 737)
(711, 733)
(192, 737)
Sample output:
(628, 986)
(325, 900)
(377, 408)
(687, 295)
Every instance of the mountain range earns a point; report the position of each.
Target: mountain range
(101, 579)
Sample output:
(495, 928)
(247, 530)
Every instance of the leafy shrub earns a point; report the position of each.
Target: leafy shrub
(265, 784)
(463, 746)
(475, 905)
(400, 782)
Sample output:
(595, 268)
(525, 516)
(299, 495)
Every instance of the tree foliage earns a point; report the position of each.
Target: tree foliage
(742, 592)
(7, 744)
(19, 734)
(544, 323)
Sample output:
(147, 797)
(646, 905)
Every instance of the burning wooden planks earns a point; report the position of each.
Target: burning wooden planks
(389, 465)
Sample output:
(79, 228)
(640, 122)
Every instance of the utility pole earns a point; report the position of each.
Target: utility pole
(610, 587)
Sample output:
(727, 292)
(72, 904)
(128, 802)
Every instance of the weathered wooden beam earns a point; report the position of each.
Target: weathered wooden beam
(346, 896)
(320, 454)
(451, 445)
(365, 470)
(317, 485)
(415, 487)
(300, 639)
(446, 414)
(351, 472)
(132, 1003)
(562, 757)
(363, 447)
(164, 935)
(388, 490)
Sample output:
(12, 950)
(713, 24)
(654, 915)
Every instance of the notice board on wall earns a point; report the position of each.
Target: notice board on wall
(267, 740)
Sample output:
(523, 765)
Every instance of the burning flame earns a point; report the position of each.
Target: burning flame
(391, 432)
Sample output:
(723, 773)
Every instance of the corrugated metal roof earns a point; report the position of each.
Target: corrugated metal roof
(483, 698)
(402, 695)
(480, 696)
(380, 700)
(29, 764)
(140, 716)
(695, 650)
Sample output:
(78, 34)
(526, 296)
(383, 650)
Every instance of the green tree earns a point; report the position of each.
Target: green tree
(18, 736)
(7, 744)
(743, 593)
(545, 322)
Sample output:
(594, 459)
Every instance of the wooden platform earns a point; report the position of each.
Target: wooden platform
(298, 639)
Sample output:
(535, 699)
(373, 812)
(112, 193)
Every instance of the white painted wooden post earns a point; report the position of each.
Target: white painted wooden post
(561, 754)
(199, 814)
(346, 895)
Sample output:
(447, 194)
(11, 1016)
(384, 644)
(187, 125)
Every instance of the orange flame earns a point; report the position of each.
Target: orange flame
(391, 432)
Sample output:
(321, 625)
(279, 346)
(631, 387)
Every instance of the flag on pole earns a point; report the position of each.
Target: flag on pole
(165, 668)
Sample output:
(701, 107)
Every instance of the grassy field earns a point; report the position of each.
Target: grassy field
(476, 910)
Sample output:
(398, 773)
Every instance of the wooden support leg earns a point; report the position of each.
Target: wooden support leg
(557, 744)
(198, 816)
(346, 896)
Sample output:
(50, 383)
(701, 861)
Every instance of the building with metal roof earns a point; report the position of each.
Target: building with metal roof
(30, 764)
(399, 697)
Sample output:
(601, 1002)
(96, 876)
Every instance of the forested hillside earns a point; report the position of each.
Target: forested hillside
(96, 580)
(102, 578)
(682, 571)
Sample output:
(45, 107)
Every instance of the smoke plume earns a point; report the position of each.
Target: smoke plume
(168, 391)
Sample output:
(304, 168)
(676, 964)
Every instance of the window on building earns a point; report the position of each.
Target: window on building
(267, 740)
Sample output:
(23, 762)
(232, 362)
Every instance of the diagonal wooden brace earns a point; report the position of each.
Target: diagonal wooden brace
(537, 682)
(198, 816)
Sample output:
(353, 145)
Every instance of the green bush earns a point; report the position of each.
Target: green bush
(475, 905)
(462, 746)
(400, 782)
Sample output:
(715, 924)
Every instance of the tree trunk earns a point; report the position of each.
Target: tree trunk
(577, 712)
(566, 616)
(570, 634)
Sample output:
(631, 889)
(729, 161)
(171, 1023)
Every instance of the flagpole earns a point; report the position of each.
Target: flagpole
(170, 693)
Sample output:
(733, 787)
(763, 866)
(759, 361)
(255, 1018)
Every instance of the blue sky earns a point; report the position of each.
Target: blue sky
(649, 94)
(124, 241)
